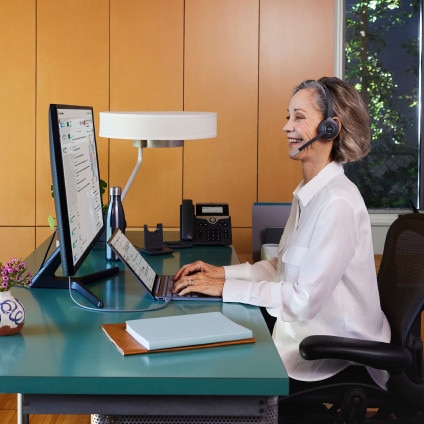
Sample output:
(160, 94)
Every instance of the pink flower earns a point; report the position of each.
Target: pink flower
(14, 274)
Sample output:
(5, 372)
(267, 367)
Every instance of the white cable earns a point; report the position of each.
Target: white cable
(89, 308)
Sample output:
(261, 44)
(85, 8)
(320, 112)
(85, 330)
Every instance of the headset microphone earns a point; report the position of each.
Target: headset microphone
(317, 137)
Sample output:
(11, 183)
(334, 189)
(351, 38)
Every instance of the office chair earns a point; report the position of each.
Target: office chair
(401, 287)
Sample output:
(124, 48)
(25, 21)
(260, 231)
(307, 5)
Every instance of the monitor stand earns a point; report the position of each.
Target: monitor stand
(46, 278)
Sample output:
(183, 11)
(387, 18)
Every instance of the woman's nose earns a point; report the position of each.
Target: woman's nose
(287, 127)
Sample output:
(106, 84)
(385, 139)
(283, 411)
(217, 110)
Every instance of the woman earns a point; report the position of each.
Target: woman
(323, 280)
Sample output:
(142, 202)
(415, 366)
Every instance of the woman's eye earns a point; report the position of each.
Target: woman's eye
(296, 117)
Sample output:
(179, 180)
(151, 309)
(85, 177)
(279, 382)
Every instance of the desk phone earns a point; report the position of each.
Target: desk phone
(205, 223)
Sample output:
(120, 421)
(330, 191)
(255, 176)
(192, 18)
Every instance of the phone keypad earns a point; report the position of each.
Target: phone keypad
(213, 230)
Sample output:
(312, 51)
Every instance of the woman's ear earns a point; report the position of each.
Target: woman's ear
(339, 124)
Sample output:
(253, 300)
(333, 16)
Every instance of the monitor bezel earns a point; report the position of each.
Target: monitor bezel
(69, 268)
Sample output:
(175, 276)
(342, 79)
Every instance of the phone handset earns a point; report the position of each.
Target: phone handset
(187, 220)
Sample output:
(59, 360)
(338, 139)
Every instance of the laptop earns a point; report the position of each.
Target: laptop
(159, 286)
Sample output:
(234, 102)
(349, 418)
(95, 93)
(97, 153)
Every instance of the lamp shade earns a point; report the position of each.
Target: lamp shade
(157, 126)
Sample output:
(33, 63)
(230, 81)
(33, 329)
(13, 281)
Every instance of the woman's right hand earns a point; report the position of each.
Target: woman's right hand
(199, 277)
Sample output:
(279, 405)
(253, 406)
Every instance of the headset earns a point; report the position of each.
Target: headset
(328, 129)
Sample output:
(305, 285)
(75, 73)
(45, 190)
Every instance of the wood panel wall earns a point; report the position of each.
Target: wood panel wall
(240, 58)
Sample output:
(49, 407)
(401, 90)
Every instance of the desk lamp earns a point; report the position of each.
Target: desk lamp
(156, 129)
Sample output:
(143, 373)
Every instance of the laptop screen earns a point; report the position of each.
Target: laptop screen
(133, 259)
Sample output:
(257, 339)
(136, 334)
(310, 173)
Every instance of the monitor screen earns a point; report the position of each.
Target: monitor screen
(76, 182)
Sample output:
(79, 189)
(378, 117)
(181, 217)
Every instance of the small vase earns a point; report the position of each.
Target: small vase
(12, 314)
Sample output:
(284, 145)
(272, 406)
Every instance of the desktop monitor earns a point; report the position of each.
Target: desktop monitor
(77, 193)
(76, 183)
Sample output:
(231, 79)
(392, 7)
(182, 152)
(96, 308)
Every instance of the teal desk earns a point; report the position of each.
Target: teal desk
(63, 363)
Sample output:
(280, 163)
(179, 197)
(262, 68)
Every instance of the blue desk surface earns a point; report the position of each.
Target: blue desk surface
(62, 349)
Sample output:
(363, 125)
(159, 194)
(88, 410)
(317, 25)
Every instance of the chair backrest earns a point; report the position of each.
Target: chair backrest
(401, 279)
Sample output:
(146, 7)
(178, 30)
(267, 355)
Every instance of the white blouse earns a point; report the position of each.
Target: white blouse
(324, 279)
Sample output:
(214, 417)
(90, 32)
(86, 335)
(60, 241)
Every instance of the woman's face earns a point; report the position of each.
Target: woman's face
(302, 121)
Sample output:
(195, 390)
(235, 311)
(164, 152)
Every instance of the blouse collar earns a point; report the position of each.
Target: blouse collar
(305, 192)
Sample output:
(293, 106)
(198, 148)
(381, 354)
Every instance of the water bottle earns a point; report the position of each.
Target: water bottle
(115, 219)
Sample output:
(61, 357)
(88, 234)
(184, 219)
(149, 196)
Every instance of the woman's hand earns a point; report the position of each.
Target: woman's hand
(199, 277)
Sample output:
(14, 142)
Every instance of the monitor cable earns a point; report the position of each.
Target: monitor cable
(154, 307)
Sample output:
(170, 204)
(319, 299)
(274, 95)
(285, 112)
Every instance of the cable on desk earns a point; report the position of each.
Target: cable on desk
(155, 307)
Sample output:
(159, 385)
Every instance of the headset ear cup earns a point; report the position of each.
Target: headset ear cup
(329, 128)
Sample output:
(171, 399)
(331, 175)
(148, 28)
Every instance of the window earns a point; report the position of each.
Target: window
(382, 59)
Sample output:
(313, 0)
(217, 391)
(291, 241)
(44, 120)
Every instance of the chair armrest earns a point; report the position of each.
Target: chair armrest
(378, 355)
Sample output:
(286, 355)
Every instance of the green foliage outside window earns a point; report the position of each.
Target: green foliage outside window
(388, 176)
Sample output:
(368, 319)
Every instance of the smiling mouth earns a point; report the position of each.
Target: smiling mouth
(295, 140)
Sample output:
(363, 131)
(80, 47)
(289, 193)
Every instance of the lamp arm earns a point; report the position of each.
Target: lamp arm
(139, 145)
